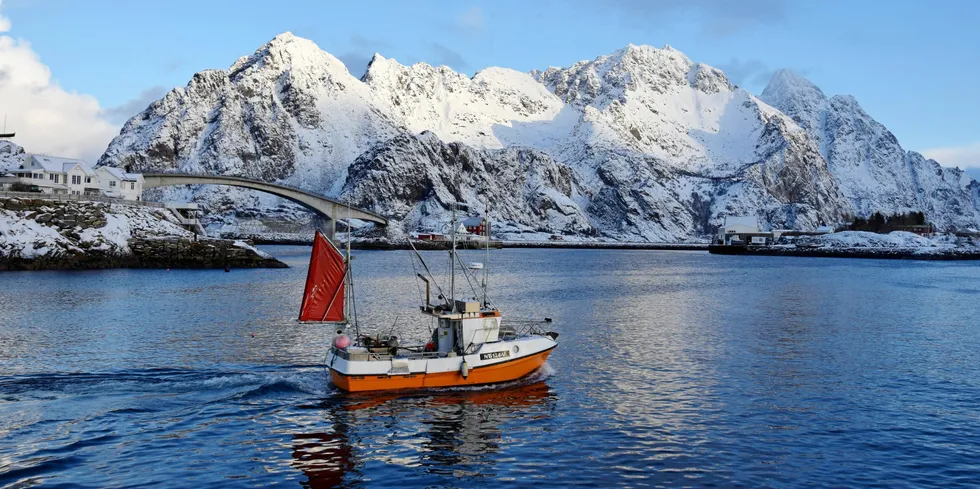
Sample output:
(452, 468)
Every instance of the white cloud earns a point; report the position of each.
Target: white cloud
(472, 20)
(121, 113)
(961, 156)
(47, 118)
(4, 22)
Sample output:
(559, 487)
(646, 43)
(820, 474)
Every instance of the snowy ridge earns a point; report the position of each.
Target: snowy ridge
(871, 168)
(642, 144)
(11, 155)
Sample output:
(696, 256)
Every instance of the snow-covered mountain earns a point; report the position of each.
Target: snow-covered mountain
(641, 144)
(11, 155)
(870, 166)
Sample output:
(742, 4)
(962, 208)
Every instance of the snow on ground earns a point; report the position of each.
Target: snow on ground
(55, 229)
(893, 240)
(26, 237)
(242, 244)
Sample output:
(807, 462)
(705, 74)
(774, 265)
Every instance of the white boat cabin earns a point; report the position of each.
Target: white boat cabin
(468, 327)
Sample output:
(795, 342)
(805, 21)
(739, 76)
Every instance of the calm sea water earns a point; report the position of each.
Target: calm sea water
(674, 369)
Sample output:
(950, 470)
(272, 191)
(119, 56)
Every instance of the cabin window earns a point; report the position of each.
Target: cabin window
(50, 177)
(132, 186)
(112, 183)
(76, 180)
(88, 179)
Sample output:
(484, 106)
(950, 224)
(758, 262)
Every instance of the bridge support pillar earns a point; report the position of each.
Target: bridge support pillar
(326, 226)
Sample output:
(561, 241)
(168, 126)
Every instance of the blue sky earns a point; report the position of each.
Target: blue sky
(912, 64)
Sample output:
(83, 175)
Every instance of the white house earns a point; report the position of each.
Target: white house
(68, 176)
(739, 225)
(119, 184)
(744, 230)
(55, 175)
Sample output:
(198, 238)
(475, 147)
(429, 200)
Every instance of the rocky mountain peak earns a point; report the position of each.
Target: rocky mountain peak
(378, 59)
(786, 82)
(285, 52)
(708, 79)
(639, 144)
(798, 98)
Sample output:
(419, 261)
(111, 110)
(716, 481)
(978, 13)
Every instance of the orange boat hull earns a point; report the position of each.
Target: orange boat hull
(491, 374)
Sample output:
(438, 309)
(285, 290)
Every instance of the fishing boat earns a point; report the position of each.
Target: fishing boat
(470, 343)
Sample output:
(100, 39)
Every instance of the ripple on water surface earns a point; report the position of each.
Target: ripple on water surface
(674, 369)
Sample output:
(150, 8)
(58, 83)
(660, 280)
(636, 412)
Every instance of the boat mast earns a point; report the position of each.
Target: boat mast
(350, 277)
(452, 252)
(452, 262)
(486, 268)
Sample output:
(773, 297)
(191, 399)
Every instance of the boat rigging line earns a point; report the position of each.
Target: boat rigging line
(427, 271)
(350, 276)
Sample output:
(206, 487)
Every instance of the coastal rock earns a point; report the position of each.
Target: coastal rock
(37, 234)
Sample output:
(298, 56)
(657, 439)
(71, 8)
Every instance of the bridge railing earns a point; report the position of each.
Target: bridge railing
(236, 177)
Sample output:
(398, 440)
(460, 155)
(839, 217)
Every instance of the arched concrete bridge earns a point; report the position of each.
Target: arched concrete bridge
(328, 208)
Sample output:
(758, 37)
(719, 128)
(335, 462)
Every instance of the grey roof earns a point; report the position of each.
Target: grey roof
(55, 164)
(121, 175)
(114, 171)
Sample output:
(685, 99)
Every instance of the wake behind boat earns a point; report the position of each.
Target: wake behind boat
(470, 344)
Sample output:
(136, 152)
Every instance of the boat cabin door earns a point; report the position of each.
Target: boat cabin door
(446, 332)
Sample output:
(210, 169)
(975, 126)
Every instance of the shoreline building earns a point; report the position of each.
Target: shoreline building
(118, 184)
(744, 230)
(475, 225)
(73, 177)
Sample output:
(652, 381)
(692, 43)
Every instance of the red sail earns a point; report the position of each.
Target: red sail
(323, 299)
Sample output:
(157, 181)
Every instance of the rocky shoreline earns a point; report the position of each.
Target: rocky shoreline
(386, 244)
(40, 234)
(877, 253)
(897, 245)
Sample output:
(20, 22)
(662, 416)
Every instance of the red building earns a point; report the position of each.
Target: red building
(475, 225)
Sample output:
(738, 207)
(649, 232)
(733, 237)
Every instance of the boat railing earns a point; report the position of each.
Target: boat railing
(523, 327)
(383, 357)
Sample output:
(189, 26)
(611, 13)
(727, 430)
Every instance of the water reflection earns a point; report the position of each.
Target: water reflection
(325, 458)
(448, 433)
